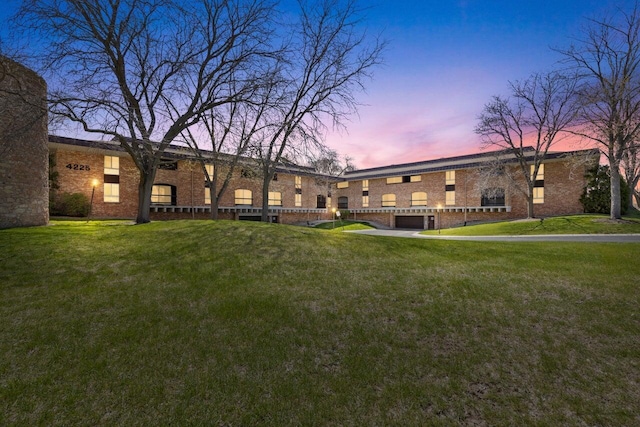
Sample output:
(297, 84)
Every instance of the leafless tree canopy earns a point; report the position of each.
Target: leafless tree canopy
(328, 59)
(143, 71)
(607, 59)
(536, 114)
(148, 72)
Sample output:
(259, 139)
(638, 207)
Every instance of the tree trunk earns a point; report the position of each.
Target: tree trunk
(615, 191)
(265, 199)
(144, 197)
(214, 206)
(530, 207)
(637, 196)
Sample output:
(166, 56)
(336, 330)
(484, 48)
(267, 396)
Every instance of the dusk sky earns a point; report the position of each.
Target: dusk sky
(445, 60)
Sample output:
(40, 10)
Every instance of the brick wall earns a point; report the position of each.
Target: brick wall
(24, 165)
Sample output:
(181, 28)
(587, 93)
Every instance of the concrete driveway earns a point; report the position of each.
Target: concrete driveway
(604, 238)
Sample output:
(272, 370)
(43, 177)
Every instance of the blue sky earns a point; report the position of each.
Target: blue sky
(445, 59)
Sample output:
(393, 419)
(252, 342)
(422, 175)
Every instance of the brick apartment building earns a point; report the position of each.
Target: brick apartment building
(430, 194)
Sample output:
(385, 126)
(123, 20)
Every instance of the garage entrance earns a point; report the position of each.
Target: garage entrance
(412, 222)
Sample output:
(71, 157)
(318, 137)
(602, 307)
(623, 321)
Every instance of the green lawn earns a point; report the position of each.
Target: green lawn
(240, 323)
(346, 225)
(576, 224)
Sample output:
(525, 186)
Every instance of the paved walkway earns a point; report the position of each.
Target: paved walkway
(610, 238)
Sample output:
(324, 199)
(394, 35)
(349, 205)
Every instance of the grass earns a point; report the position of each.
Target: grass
(576, 224)
(240, 323)
(344, 225)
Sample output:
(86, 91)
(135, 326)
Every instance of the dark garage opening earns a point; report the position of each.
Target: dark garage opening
(413, 222)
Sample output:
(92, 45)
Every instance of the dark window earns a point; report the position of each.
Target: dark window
(539, 183)
(167, 164)
(275, 177)
(365, 193)
(450, 187)
(298, 190)
(493, 197)
(112, 179)
(247, 173)
(343, 202)
(322, 202)
(406, 178)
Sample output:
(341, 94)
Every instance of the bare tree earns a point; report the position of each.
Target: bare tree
(227, 132)
(607, 59)
(143, 71)
(527, 124)
(328, 60)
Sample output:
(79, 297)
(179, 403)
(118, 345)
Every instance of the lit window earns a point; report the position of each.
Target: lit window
(415, 178)
(450, 198)
(111, 179)
(298, 199)
(419, 198)
(450, 177)
(365, 185)
(243, 197)
(163, 195)
(111, 193)
(344, 184)
(275, 198)
(209, 169)
(365, 201)
(394, 180)
(328, 201)
(540, 176)
(207, 196)
(111, 165)
(388, 200)
(538, 195)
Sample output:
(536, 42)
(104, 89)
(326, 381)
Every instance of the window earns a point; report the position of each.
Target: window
(343, 202)
(328, 201)
(405, 178)
(247, 173)
(111, 165)
(343, 184)
(243, 197)
(450, 177)
(365, 185)
(419, 198)
(207, 196)
(163, 194)
(111, 193)
(450, 198)
(540, 176)
(394, 180)
(388, 200)
(168, 164)
(275, 198)
(321, 202)
(493, 197)
(538, 195)
(298, 183)
(111, 179)
(365, 201)
(209, 169)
